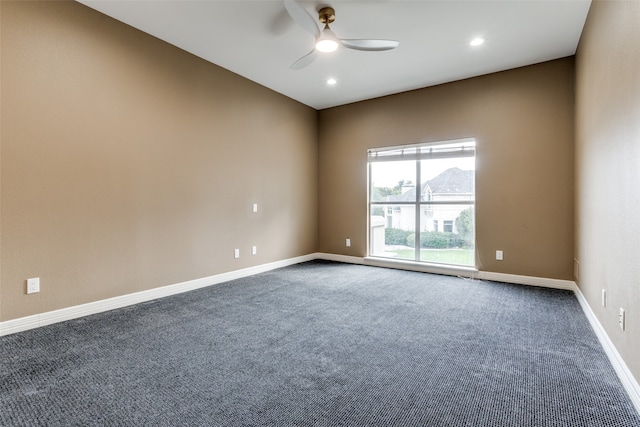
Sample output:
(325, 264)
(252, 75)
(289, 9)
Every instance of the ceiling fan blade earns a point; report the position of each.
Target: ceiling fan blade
(302, 17)
(369, 45)
(305, 60)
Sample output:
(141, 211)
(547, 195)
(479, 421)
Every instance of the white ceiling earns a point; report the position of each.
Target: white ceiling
(258, 40)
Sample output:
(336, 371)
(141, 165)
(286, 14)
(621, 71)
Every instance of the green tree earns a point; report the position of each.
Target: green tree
(390, 191)
(465, 226)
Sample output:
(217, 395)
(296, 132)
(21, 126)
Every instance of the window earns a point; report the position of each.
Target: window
(425, 186)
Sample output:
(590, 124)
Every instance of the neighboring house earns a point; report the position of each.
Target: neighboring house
(453, 184)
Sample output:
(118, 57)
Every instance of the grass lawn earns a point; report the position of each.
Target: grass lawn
(442, 256)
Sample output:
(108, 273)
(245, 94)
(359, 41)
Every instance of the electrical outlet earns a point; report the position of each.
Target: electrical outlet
(348, 243)
(254, 250)
(621, 318)
(255, 207)
(33, 285)
(236, 253)
(604, 298)
(499, 255)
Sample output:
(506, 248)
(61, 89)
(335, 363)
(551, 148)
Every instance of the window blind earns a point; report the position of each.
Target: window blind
(456, 148)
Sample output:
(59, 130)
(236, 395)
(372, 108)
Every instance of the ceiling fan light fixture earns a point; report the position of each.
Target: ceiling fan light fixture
(327, 42)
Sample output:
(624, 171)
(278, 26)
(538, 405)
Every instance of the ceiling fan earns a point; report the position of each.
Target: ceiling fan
(326, 40)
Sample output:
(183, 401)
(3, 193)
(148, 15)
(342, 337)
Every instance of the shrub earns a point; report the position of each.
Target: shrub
(440, 240)
(434, 239)
(395, 236)
(428, 239)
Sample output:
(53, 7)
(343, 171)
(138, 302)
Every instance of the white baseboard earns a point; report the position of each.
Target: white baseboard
(55, 316)
(30, 322)
(629, 382)
(527, 280)
(452, 271)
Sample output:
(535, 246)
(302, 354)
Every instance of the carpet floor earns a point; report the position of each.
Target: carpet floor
(320, 344)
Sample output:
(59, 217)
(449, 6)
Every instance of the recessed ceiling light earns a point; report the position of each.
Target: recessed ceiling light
(331, 81)
(477, 41)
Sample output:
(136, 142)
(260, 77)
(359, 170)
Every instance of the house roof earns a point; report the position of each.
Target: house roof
(451, 181)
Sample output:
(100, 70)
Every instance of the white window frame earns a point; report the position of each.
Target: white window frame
(465, 147)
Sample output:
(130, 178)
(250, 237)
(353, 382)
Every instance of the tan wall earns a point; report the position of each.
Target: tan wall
(608, 169)
(523, 123)
(128, 164)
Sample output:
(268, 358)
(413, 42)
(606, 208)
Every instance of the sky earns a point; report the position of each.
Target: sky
(388, 174)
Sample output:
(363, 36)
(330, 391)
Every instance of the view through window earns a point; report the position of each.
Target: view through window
(421, 202)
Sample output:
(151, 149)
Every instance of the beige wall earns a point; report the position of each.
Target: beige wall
(523, 123)
(128, 164)
(608, 169)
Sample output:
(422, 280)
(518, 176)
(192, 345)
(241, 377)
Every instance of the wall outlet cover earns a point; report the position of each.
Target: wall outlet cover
(33, 285)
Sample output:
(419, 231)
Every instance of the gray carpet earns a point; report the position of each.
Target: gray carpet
(320, 344)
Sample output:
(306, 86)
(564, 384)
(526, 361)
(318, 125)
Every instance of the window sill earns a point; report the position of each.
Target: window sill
(450, 270)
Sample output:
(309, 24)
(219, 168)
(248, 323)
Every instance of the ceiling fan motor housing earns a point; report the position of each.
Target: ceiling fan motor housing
(327, 15)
